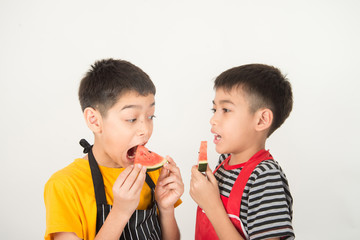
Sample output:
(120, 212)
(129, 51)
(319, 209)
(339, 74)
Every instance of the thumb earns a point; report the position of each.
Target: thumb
(163, 174)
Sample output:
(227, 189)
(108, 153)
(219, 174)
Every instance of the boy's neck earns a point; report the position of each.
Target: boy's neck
(102, 158)
(244, 156)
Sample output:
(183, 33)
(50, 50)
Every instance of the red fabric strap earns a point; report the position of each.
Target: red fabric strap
(234, 201)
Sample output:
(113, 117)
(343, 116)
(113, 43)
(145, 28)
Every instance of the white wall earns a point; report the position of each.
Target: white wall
(47, 46)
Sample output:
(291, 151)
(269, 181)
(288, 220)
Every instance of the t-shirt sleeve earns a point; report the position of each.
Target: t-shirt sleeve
(61, 209)
(269, 211)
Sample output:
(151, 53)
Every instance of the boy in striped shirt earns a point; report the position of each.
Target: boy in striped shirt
(251, 102)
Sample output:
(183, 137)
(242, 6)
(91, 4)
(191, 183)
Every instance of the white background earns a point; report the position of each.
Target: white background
(47, 46)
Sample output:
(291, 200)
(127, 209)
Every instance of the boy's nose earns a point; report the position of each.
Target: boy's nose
(213, 120)
(144, 129)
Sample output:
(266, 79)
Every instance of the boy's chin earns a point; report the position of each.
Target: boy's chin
(127, 163)
(221, 150)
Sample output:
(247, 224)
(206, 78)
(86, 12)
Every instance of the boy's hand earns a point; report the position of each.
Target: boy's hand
(170, 186)
(204, 189)
(127, 189)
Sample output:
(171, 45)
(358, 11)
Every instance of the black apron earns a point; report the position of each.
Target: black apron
(143, 224)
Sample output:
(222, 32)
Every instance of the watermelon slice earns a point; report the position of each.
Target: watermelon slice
(150, 160)
(202, 162)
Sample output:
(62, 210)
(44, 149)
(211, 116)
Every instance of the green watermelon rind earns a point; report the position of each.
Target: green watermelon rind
(156, 166)
(202, 166)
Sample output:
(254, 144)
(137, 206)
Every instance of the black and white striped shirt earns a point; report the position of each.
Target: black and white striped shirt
(266, 205)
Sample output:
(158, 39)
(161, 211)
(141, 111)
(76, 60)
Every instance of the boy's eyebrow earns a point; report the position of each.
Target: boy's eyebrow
(135, 106)
(223, 101)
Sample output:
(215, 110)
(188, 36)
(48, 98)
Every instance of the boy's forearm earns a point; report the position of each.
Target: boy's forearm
(222, 224)
(112, 227)
(169, 227)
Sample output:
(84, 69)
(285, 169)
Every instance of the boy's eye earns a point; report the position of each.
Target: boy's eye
(151, 117)
(213, 110)
(131, 120)
(226, 110)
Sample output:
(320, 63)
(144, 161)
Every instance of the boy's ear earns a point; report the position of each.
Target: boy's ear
(93, 119)
(264, 119)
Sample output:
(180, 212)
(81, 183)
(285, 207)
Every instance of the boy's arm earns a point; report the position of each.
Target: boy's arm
(111, 229)
(205, 192)
(65, 236)
(169, 227)
(268, 188)
(168, 190)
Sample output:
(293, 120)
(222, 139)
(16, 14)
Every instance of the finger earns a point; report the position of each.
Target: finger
(195, 173)
(168, 180)
(192, 177)
(132, 177)
(194, 167)
(170, 163)
(163, 174)
(139, 182)
(172, 169)
(211, 176)
(122, 177)
(170, 160)
(173, 186)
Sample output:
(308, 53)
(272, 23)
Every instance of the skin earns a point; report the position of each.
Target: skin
(240, 132)
(127, 124)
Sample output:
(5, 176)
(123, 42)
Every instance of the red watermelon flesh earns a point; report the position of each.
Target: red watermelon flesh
(202, 161)
(149, 159)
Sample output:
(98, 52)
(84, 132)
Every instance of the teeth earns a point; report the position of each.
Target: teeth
(217, 137)
(131, 157)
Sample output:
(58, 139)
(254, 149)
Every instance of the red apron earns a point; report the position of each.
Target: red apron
(204, 229)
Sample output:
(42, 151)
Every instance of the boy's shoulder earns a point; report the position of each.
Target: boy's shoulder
(78, 165)
(268, 169)
(267, 175)
(77, 171)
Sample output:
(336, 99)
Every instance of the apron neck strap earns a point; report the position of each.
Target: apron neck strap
(150, 182)
(98, 181)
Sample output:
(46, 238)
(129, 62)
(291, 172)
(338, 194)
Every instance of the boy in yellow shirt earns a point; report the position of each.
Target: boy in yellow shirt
(103, 195)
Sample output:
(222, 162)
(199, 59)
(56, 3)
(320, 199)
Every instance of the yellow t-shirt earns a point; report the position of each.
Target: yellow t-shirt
(70, 198)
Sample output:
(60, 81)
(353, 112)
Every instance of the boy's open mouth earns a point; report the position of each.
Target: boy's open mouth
(217, 138)
(131, 153)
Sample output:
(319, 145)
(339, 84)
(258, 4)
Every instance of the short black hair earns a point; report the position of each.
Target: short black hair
(264, 86)
(108, 79)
